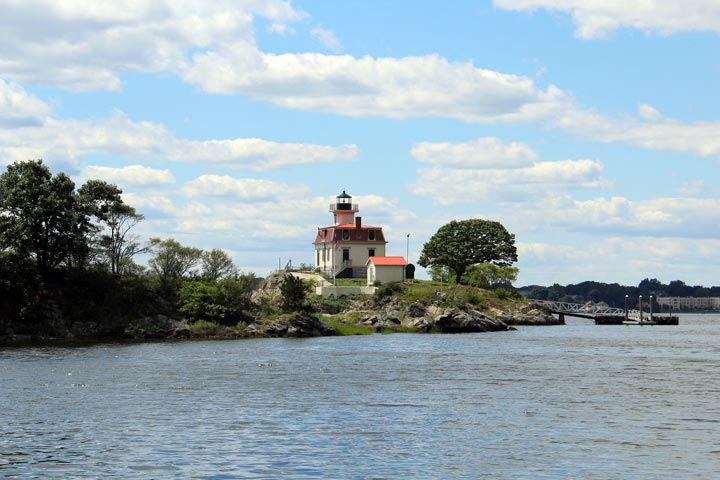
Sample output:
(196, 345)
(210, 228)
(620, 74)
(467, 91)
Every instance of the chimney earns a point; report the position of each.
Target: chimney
(358, 222)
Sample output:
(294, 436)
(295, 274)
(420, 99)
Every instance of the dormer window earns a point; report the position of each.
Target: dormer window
(346, 235)
(371, 234)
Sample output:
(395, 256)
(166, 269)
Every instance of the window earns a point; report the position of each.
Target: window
(371, 252)
(371, 234)
(346, 234)
(317, 262)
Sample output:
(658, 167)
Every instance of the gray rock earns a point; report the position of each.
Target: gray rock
(291, 325)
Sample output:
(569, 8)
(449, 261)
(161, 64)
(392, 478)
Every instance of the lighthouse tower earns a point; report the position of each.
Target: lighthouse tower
(343, 249)
(343, 209)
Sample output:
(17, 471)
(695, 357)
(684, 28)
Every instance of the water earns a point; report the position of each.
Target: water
(577, 401)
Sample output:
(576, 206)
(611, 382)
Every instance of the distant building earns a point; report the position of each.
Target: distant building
(690, 303)
(343, 249)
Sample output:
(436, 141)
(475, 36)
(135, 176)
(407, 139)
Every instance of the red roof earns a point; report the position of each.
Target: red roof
(388, 261)
(352, 225)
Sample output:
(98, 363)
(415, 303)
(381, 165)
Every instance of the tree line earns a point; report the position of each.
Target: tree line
(613, 294)
(69, 253)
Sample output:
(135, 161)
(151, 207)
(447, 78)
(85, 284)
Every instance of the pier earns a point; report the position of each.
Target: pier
(604, 315)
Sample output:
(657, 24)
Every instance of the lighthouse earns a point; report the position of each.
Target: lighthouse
(342, 249)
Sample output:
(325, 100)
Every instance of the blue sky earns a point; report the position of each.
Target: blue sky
(590, 129)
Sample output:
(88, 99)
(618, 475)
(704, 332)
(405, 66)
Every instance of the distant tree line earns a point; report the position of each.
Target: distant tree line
(613, 294)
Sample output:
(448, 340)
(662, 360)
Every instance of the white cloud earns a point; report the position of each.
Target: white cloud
(691, 188)
(409, 87)
(327, 38)
(660, 217)
(523, 185)
(618, 259)
(241, 188)
(489, 169)
(486, 152)
(18, 108)
(600, 18)
(651, 130)
(130, 176)
(70, 140)
(280, 29)
(87, 46)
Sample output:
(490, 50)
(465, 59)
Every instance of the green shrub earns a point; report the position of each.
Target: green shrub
(504, 294)
(294, 292)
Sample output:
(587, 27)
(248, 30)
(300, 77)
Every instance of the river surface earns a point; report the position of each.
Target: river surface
(568, 402)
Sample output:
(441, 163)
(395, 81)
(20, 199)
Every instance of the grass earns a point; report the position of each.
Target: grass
(346, 329)
(426, 292)
(202, 327)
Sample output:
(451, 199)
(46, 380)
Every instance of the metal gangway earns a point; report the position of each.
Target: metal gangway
(586, 310)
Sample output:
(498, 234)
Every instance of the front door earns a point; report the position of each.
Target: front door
(346, 254)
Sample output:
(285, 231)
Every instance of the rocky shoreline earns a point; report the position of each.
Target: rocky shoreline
(435, 313)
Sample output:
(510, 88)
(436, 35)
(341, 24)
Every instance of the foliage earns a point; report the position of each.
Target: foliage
(118, 246)
(216, 265)
(440, 273)
(41, 216)
(171, 261)
(489, 275)
(460, 244)
(294, 292)
(224, 302)
(203, 327)
(505, 294)
(19, 287)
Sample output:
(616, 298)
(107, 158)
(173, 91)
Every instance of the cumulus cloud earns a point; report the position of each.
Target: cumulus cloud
(130, 176)
(241, 188)
(626, 260)
(18, 108)
(71, 140)
(649, 130)
(528, 184)
(600, 18)
(660, 217)
(212, 45)
(489, 169)
(486, 152)
(410, 87)
(87, 46)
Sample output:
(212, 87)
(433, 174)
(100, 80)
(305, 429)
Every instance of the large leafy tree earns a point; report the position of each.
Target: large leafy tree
(41, 216)
(171, 261)
(460, 244)
(216, 265)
